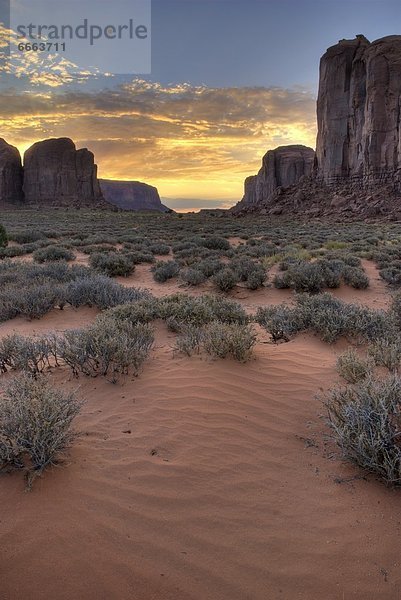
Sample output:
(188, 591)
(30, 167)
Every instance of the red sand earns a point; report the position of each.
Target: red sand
(202, 480)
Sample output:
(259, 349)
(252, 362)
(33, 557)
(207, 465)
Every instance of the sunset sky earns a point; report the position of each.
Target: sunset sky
(230, 79)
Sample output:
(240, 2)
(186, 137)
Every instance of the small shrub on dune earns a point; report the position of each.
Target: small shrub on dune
(107, 348)
(352, 367)
(142, 311)
(36, 301)
(29, 354)
(35, 424)
(102, 292)
(189, 340)
(53, 253)
(282, 322)
(112, 264)
(225, 280)
(162, 271)
(366, 421)
(225, 309)
(223, 340)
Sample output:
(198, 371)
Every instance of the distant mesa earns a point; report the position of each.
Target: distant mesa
(56, 174)
(132, 195)
(281, 168)
(357, 170)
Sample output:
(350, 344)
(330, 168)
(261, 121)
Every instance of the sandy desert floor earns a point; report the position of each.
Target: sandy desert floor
(203, 480)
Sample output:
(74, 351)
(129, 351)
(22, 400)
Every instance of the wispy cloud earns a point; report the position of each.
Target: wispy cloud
(190, 141)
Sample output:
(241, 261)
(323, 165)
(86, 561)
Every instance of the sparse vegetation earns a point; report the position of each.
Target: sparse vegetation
(35, 424)
(365, 419)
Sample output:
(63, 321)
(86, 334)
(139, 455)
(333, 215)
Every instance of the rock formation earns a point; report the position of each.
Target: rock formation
(359, 113)
(357, 169)
(10, 175)
(132, 195)
(57, 174)
(281, 168)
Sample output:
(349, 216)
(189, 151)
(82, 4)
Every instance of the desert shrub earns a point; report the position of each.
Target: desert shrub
(225, 279)
(223, 339)
(256, 279)
(282, 322)
(35, 423)
(250, 272)
(37, 300)
(365, 419)
(209, 266)
(304, 277)
(356, 278)
(352, 367)
(189, 340)
(102, 292)
(215, 242)
(185, 309)
(108, 348)
(162, 271)
(27, 236)
(391, 275)
(113, 264)
(386, 353)
(142, 311)
(3, 237)
(192, 276)
(160, 249)
(53, 253)
(138, 257)
(330, 319)
(29, 354)
(224, 309)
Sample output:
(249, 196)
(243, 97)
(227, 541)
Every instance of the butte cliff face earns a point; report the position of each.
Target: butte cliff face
(357, 168)
(132, 195)
(57, 174)
(359, 114)
(10, 175)
(281, 168)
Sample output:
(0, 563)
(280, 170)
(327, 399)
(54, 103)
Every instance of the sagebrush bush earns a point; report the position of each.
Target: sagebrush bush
(386, 353)
(113, 264)
(35, 423)
(164, 270)
(193, 276)
(53, 253)
(282, 322)
(229, 339)
(189, 341)
(356, 278)
(108, 348)
(352, 367)
(225, 279)
(366, 421)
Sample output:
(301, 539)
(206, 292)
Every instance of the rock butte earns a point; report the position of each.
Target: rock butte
(357, 168)
(56, 174)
